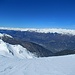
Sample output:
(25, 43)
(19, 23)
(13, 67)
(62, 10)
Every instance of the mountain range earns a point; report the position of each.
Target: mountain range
(42, 42)
(33, 52)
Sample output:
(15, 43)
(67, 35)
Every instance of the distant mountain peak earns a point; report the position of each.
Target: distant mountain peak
(43, 30)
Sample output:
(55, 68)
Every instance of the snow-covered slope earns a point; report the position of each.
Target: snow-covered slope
(44, 30)
(64, 65)
(2, 35)
(18, 51)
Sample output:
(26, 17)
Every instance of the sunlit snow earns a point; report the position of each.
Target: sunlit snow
(63, 65)
(18, 51)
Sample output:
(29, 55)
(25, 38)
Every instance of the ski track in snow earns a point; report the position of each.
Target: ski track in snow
(63, 65)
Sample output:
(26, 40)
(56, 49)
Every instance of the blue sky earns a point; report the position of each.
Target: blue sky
(37, 13)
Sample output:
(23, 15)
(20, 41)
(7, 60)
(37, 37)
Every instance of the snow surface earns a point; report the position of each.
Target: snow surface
(46, 30)
(63, 65)
(2, 35)
(18, 51)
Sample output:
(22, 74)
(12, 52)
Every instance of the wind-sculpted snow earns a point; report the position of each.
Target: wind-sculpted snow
(18, 51)
(63, 65)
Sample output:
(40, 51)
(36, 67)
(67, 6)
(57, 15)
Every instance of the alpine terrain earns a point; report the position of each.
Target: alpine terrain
(37, 51)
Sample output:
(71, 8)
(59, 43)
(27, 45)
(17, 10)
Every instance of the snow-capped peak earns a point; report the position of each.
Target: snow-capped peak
(18, 51)
(43, 30)
(2, 35)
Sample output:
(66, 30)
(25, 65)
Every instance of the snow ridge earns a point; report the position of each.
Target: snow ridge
(2, 35)
(17, 51)
(43, 30)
